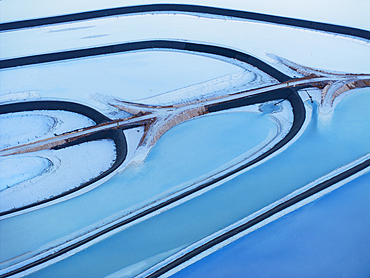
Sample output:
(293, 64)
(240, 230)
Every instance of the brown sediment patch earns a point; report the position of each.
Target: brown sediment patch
(325, 91)
(350, 86)
(182, 117)
(167, 123)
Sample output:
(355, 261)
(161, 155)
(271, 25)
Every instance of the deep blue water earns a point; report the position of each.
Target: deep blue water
(327, 238)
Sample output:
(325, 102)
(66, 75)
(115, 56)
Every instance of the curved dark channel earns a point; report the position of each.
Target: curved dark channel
(141, 45)
(185, 8)
(87, 111)
(116, 135)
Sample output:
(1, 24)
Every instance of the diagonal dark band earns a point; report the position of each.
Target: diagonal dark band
(196, 9)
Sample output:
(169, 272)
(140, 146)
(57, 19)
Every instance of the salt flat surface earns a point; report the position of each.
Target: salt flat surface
(298, 45)
(326, 238)
(329, 11)
(15, 127)
(68, 168)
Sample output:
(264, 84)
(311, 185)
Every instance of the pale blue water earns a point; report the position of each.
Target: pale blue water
(320, 150)
(184, 153)
(327, 238)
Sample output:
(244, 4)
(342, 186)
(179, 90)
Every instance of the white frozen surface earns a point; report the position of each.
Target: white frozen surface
(69, 168)
(16, 170)
(239, 81)
(353, 13)
(24, 127)
(308, 48)
(128, 76)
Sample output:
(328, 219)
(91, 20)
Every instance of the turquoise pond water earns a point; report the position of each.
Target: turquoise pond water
(325, 145)
(183, 154)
